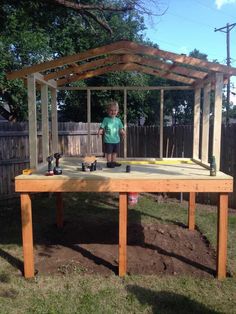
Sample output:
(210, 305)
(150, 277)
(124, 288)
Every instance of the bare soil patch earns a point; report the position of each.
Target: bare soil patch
(160, 249)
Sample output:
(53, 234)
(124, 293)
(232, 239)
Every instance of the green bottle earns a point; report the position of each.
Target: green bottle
(213, 166)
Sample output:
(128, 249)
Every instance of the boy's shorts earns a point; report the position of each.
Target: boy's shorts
(110, 148)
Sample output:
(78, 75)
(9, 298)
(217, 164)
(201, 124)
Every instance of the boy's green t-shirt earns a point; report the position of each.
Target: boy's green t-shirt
(111, 128)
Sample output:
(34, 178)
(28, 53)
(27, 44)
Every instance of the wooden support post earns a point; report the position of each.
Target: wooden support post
(191, 210)
(59, 210)
(217, 119)
(205, 123)
(222, 231)
(45, 122)
(32, 116)
(89, 121)
(196, 124)
(125, 122)
(54, 121)
(161, 123)
(122, 233)
(27, 235)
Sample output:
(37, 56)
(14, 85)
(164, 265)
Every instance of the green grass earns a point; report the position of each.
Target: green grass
(76, 292)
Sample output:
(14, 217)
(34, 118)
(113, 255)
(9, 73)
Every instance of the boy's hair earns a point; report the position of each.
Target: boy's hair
(113, 104)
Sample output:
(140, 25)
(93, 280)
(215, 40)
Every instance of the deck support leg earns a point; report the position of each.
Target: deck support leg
(59, 210)
(27, 235)
(122, 233)
(222, 231)
(191, 210)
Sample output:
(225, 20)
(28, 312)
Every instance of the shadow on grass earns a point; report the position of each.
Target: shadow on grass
(15, 262)
(168, 302)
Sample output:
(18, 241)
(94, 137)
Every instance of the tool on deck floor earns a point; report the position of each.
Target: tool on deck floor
(57, 169)
(49, 171)
(89, 163)
(27, 171)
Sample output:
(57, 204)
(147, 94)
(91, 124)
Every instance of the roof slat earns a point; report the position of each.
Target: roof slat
(125, 54)
(125, 67)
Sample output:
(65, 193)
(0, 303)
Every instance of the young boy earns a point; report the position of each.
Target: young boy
(112, 127)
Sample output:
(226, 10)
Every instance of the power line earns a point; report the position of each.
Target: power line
(215, 10)
(226, 29)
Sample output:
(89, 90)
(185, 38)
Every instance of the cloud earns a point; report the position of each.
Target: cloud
(220, 3)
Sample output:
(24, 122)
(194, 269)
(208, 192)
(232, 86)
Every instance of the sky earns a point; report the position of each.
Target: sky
(189, 24)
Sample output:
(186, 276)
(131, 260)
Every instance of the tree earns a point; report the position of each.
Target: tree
(35, 31)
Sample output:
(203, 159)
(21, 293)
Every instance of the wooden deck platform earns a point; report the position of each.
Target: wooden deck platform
(147, 175)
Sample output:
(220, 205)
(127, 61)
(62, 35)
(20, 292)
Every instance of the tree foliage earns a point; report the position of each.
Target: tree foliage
(35, 31)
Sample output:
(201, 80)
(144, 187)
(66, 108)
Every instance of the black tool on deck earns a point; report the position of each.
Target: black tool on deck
(57, 169)
(49, 171)
(128, 168)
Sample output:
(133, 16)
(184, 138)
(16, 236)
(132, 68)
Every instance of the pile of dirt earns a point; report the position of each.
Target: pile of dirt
(160, 249)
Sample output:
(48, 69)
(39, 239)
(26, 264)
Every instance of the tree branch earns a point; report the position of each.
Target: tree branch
(78, 7)
(98, 20)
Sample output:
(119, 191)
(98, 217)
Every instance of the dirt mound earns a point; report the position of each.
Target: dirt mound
(164, 249)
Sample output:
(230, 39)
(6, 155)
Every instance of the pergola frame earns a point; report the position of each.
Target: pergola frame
(196, 74)
(57, 74)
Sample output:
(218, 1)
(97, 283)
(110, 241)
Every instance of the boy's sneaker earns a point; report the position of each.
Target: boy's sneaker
(110, 165)
(116, 164)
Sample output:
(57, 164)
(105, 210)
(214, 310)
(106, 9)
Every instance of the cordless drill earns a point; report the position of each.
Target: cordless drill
(57, 169)
(49, 171)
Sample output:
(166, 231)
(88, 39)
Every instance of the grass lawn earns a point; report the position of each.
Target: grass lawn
(76, 292)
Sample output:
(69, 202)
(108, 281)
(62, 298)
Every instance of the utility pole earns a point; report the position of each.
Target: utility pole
(226, 29)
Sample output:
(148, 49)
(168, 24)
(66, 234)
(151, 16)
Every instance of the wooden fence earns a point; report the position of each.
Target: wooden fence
(142, 142)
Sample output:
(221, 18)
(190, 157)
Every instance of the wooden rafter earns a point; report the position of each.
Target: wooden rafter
(156, 65)
(82, 67)
(182, 59)
(125, 67)
(164, 66)
(147, 59)
(91, 53)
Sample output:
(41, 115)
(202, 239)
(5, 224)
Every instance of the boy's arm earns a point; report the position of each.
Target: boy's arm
(122, 133)
(101, 128)
(100, 131)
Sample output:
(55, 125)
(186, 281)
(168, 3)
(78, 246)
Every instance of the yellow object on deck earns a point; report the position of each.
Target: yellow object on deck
(156, 162)
(27, 171)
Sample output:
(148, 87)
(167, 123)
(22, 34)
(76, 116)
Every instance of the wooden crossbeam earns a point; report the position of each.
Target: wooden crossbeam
(183, 59)
(164, 66)
(126, 59)
(40, 79)
(125, 67)
(91, 53)
(121, 47)
(82, 67)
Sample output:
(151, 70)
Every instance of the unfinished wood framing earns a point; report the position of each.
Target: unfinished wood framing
(54, 124)
(192, 73)
(161, 123)
(196, 124)
(205, 123)
(222, 233)
(217, 119)
(27, 235)
(45, 121)
(188, 177)
(89, 121)
(122, 233)
(125, 122)
(191, 210)
(32, 114)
